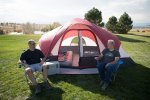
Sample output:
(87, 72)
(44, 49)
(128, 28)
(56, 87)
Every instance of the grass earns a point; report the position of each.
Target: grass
(132, 82)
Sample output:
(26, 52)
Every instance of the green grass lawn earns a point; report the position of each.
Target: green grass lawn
(132, 82)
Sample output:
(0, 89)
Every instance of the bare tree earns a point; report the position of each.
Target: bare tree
(51, 26)
(55, 24)
(27, 28)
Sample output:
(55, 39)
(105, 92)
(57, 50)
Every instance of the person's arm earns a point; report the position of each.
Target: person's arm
(99, 57)
(23, 61)
(42, 61)
(115, 61)
(42, 57)
(117, 57)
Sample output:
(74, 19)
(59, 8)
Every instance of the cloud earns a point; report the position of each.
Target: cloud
(47, 11)
(137, 9)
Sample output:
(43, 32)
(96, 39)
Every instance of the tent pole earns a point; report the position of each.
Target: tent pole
(80, 43)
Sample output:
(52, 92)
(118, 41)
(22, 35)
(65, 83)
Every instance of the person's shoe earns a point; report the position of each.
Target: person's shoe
(113, 78)
(37, 89)
(47, 85)
(104, 86)
(101, 83)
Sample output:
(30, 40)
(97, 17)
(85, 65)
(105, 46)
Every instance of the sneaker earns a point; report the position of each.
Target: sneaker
(47, 85)
(101, 83)
(104, 86)
(113, 78)
(37, 89)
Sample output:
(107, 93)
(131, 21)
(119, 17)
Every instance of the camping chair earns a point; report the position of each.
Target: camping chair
(116, 70)
(36, 74)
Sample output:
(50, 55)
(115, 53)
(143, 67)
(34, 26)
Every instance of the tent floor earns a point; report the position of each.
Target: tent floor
(78, 71)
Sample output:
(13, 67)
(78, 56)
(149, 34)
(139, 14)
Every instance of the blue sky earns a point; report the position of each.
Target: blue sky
(47, 11)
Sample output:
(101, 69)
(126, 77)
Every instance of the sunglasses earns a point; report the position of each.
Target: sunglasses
(33, 43)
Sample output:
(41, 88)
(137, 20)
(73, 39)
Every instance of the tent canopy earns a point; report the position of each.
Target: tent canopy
(50, 42)
(91, 40)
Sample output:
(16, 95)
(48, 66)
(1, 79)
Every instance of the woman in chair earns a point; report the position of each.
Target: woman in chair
(107, 61)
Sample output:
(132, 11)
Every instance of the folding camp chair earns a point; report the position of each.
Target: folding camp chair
(37, 74)
(116, 70)
(38, 79)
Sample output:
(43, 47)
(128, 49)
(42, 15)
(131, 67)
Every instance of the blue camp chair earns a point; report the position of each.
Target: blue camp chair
(115, 72)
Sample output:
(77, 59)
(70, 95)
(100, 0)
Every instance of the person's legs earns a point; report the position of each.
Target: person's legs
(30, 74)
(44, 69)
(101, 70)
(45, 72)
(33, 79)
(109, 71)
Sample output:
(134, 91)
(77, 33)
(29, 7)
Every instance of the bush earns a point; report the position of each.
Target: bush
(1, 32)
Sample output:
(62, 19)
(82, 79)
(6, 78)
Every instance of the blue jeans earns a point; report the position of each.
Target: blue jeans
(106, 73)
(36, 67)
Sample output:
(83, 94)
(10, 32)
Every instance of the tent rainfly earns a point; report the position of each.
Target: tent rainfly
(75, 44)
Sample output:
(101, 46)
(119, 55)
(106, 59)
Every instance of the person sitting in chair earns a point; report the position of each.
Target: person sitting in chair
(33, 60)
(107, 63)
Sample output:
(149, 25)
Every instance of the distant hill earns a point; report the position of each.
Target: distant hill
(141, 25)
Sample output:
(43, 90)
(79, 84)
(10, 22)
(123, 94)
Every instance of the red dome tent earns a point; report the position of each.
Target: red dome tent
(89, 39)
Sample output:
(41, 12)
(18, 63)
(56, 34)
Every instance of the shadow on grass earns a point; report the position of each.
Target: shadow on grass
(53, 94)
(128, 39)
(139, 35)
(132, 83)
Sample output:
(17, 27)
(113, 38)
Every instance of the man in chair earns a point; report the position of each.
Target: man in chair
(33, 60)
(107, 61)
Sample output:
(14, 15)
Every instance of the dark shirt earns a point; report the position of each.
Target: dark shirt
(32, 57)
(109, 56)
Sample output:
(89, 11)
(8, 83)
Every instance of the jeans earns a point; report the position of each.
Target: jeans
(106, 73)
(36, 67)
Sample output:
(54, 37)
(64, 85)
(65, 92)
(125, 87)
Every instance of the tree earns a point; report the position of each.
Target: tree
(111, 24)
(51, 27)
(94, 16)
(55, 24)
(124, 24)
(45, 29)
(1, 32)
(28, 28)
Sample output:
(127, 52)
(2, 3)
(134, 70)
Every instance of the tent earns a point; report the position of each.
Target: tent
(76, 43)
